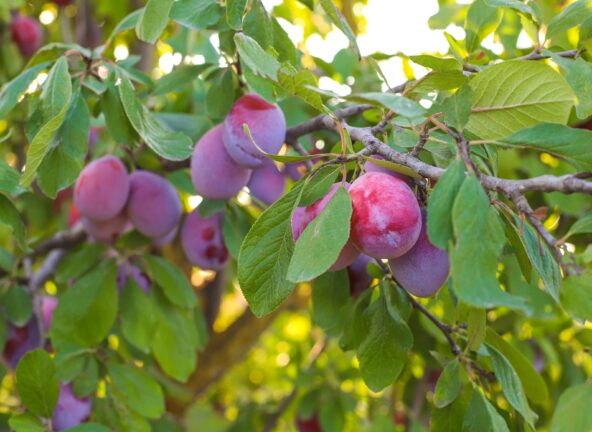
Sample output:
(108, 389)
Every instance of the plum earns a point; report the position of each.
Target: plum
(105, 231)
(370, 166)
(153, 206)
(73, 215)
(349, 252)
(359, 279)
(267, 125)
(267, 183)
(48, 305)
(102, 189)
(21, 340)
(26, 34)
(297, 222)
(203, 241)
(62, 2)
(167, 238)
(424, 269)
(386, 219)
(311, 424)
(127, 270)
(70, 410)
(214, 173)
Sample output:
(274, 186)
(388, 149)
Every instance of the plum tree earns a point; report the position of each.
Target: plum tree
(267, 183)
(106, 231)
(267, 124)
(386, 220)
(370, 166)
(214, 173)
(102, 189)
(128, 270)
(203, 241)
(48, 305)
(20, 340)
(359, 279)
(70, 410)
(349, 252)
(153, 206)
(424, 268)
(310, 424)
(26, 34)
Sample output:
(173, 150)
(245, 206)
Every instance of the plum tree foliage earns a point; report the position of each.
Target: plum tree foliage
(196, 234)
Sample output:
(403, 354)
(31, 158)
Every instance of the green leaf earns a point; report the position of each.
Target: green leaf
(37, 383)
(25, 422)
(55, 101)
(517, 5)
(129, 22)
(392, 166)
(220, 96)
(532, 382)
(457, 108)
(178, 79)
(153, 20)
(321, 243)
(572, 412)
(171, 279)
(19, 306)
(481, 416)
(87, 381)
(265, 255)
(476, 327)
(575, 296)
(330, 295)
(448, 385)
(440, 204)
(9, 180)
(383, 352)
(235, 226)
(339, 21)
(511, 385)
(89, 427)
(259, 61)
(235, 9)
(70, 361)
(299, 84)
(581, 226)
(396, 103)
(138, 390)
(449, 418)
(513, 95)
(63, 162)
(319, 185)
(437, 64)
(118, 125)
(481, 21)
(196, 14)
(78, 263)
(170, 145)
(579, 78)
(573, 15)
(10, 216)
(138, 316)
(479, 241)
(87, 310)
(12, 91)
(567, 143)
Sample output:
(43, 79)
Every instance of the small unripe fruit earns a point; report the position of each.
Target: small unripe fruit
(203, 241)
(70, 410)
(26, 34)
(102, 189)
(153, 206)
(267, 183)
(214, 173)
(349, 252)
(424, 269)
(386, 220)
(267, 125)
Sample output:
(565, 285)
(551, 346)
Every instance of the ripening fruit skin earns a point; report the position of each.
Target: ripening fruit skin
(349, 252)
(70, 410)
(26, 34)
(267, 183)
(297, 222)
(203, 241)
(73, 215)
(359, 279)
(167, 238)
(48, 305)
(20, 340)
(370, 166)
(311, 424)
(105, 231)
(386, 220)
(214, 173)
(127, 270)
(424, 269)
(267, 125)
(153, 206)
(102, 189)
(62, 2)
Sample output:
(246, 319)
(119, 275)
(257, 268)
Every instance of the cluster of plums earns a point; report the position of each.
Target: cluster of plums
(387, 223)
(70, 410)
